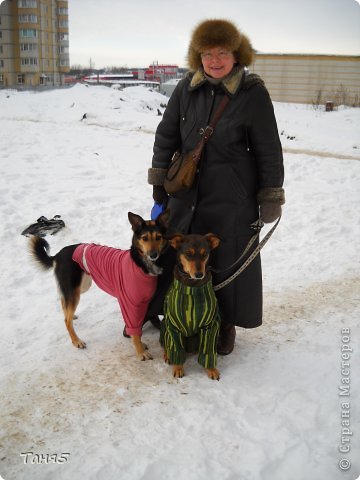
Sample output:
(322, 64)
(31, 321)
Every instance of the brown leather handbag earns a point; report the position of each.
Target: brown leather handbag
(182, 169)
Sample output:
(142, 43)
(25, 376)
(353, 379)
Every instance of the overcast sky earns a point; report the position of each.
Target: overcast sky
(138, 32)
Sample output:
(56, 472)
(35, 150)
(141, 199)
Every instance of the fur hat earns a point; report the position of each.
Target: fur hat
(219, 33)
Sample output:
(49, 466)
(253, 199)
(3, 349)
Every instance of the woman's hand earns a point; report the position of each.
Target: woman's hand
(269, 212)
(160, 195)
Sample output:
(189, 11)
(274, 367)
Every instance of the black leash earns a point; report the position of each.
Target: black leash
(256, 226)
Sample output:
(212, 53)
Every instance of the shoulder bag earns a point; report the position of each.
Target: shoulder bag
(182, 169)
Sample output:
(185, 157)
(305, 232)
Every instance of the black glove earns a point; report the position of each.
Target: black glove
(160, 195)
(269, 211)
(270, 200)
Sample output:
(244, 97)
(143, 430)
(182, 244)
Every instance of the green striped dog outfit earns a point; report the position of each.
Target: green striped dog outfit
(190, 312)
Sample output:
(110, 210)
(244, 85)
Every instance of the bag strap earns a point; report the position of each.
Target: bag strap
(209, 130)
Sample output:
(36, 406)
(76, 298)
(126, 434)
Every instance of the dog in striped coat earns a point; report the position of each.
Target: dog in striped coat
(191, 315)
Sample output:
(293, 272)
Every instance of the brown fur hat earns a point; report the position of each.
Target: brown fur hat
(219, 33)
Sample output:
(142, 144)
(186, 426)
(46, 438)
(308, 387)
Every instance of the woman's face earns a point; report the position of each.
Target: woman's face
(217, 61)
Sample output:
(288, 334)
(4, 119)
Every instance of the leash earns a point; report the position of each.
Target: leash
(257, 226)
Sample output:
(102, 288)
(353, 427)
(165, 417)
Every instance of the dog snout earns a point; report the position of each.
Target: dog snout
(199, 275)
(153, 255)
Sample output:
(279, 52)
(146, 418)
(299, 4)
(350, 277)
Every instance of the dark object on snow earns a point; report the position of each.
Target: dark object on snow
(329, 106)
(44, 227)
(83, 117)
(159, 113)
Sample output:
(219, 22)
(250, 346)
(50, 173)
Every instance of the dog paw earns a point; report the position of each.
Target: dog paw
(213, 373)
(178, 371)
(79, 343)
(143, 356)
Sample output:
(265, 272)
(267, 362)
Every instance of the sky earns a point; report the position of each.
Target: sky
(139, 32)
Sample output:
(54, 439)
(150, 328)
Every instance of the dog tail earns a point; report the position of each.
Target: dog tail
(39, 249)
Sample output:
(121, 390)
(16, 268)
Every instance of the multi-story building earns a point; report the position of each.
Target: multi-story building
(34, 42)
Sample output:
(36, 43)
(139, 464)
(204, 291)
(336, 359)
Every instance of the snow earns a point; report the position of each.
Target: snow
(276, 412)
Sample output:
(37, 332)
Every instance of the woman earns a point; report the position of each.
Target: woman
(241, 171)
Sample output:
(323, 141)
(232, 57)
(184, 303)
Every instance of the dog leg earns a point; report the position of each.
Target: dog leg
(85, 284)
(166, 357)
(178, 371)
(213, 373)
(69, 308)
(141, 348)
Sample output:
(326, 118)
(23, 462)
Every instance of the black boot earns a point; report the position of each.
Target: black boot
(226, 340)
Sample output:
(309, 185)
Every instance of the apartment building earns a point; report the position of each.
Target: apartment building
(34, 42)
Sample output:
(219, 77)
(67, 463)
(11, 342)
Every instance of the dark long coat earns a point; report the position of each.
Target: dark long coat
(243, 156)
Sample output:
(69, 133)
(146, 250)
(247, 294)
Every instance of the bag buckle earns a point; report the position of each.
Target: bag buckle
(208, 132)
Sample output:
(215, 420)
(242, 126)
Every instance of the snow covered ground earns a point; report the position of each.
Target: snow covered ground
(276, 413)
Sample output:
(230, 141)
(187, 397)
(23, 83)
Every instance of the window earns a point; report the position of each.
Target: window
(63, 11)
(27, 18)
(63, 49)
(29, 61)
(21, 79)
(64, 62)
(0, 34)
(2, 79)
(63, 36)
(26, 47)
(63, 23)
(1, 63)
(1, 49)
(27, 3)
(28, 33)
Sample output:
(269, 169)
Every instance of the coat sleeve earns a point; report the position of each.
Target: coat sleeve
(264, 139)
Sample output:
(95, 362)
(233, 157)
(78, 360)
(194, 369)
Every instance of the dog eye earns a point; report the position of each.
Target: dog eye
(158, 237)
(145, 238)
(188, 254)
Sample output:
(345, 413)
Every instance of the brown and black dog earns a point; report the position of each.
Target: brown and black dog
(192, 319)
(130, 275)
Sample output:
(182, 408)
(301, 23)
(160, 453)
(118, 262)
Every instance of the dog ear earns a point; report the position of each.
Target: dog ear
(136, 221)
(175, 240)
(163, 219)
(213, 240)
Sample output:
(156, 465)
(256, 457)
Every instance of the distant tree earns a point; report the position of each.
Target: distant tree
(116, 69)
(316, 103)
(79, 70)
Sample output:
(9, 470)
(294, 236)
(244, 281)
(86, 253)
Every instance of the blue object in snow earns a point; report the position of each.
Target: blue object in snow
(156, 210)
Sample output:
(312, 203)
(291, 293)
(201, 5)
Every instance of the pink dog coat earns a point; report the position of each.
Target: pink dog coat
(115, 272)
